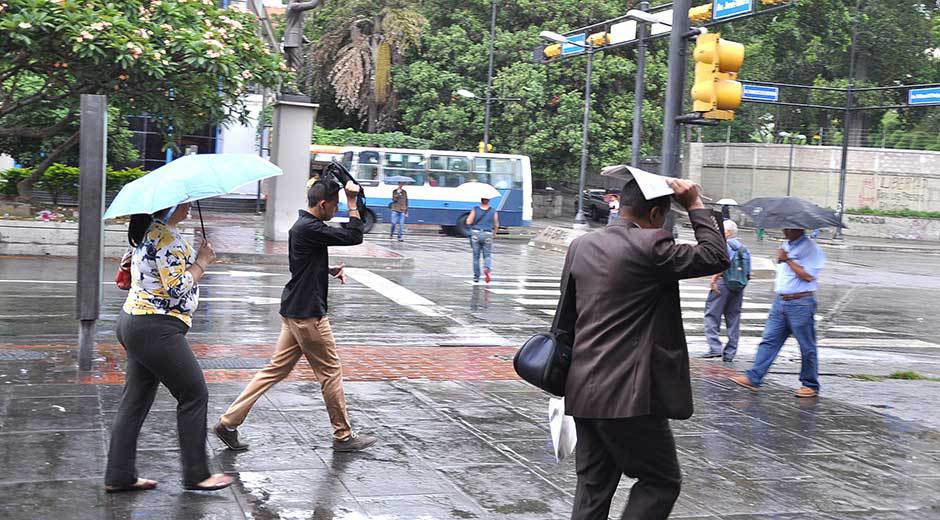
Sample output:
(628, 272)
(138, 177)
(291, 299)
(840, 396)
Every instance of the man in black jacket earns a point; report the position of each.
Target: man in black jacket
(305, 328)
(629, 369)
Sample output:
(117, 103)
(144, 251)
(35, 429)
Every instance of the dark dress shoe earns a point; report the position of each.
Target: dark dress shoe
(710, 355)
(229, 437)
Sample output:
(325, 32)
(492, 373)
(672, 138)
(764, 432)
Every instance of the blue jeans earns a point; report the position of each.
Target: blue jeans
(481, 242)
(398, 219)
(796, 317)
(726, 303)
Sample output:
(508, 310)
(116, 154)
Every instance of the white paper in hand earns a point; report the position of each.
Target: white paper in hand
(564, 435)
(653, 186)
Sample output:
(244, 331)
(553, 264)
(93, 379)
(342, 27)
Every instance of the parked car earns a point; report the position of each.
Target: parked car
(595, 207)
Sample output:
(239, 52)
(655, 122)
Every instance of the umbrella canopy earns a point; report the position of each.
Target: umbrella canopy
(190, 178)
(726, 202)
(789, 213)
(399, 179)
(478, 190)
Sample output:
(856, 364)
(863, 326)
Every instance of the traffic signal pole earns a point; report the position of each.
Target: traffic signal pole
(675, 88)
(639, 89)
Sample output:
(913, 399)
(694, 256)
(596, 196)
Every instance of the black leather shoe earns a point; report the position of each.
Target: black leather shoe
(710, 355)
(229, 437)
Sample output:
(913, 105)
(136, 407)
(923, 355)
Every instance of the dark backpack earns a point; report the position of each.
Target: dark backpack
(736, 275)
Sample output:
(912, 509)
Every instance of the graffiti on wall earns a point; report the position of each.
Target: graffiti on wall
(895, 192)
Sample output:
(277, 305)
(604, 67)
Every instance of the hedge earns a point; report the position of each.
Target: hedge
(901, 213)
(60, 179)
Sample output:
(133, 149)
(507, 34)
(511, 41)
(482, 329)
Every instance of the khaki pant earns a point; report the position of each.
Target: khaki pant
(313, 338)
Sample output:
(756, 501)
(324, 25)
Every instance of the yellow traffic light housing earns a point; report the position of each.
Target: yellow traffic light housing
(485, 147)
(773, 2)
(702, 13)
(599, 39)
(552, 51)
(715, 93)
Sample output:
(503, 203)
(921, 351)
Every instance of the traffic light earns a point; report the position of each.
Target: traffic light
(702, 13)
(552, 51)
(599, 39)
(715, 93)
(484, 148)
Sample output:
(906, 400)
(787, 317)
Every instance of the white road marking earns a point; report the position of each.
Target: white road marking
(686, 304)
(243, 274)
(515, 284)
(254, 300)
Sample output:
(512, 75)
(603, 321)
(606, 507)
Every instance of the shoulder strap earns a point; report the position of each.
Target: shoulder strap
(482, 215)
(564, 299)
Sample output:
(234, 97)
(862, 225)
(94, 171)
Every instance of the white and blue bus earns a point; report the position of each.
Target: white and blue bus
(434, 197)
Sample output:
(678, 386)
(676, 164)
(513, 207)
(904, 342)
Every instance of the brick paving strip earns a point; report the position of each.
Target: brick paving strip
(223, 363)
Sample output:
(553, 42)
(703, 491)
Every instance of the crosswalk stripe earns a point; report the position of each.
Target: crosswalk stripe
(686, 304)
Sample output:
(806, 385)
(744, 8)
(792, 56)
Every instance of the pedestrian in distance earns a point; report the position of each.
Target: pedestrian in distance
(614, 206)
(799, 262)
(726, 298)
(152, 327)
(399, 209)
(629, 370)
(484, 224)
(305, 327)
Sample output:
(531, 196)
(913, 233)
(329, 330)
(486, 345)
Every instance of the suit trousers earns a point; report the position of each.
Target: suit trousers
(312, 338)
(725, 303)
(157, 352)
(639, 447)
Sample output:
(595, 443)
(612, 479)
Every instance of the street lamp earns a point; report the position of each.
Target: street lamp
(489, 80)
(791, 137)
(580, 221)
(464, 93)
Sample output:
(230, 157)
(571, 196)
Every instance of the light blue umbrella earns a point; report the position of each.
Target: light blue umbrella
(188, 179)
(399, 179)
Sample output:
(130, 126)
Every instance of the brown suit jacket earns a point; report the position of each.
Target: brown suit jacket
(629, 355)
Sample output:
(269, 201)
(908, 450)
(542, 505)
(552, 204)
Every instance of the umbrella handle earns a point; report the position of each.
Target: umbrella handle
(201, 223)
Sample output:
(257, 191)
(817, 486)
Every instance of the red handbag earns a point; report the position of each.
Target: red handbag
(123, 277)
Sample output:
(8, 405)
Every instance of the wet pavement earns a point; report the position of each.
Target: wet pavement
(427, 356)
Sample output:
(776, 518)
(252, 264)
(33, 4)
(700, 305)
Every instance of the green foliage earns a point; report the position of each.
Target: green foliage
(351, 137)
(62, 179)
(9, 178)
(188, 63)
(902, 213)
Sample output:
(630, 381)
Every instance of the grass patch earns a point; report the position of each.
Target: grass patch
(866, 377)
(903, 213)
(905, 375)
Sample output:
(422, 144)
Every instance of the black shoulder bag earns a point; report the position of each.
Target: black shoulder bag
(544, 359)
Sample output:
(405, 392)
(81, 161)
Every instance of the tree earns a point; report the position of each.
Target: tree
(185, 63)
(352, 57)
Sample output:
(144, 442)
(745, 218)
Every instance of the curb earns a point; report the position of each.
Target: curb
(364, 262)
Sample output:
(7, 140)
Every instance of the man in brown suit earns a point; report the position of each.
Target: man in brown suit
(630, 366)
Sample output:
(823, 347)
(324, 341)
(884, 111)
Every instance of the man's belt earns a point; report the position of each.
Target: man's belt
(797, 296)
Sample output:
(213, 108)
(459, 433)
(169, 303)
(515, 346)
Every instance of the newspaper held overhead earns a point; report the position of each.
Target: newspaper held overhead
(653, 186)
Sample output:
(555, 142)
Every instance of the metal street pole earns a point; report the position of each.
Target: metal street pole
(579, 219)
(675, 87)
(790, 168)
(489, 82)
(639, 89)
(847, 117)
(93, 146)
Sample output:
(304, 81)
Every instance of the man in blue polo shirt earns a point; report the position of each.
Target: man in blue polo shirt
(799, 261)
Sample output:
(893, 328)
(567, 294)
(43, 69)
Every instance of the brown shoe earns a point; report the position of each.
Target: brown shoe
(806, 392)
(744, 381)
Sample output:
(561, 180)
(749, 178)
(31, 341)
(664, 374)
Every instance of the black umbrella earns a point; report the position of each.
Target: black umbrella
(789, 213)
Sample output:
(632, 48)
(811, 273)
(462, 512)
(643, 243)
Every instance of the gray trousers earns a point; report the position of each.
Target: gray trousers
(726, 303)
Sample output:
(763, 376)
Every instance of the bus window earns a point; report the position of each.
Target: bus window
(503, 174)
(369, 164)
(405, 164)
(347, 160)
(448, 171)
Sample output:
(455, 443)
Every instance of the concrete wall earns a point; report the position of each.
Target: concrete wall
(880, 179)
(34, 238)
(891, 227)
(547, 205)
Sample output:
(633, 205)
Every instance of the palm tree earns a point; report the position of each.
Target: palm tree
(355, 58)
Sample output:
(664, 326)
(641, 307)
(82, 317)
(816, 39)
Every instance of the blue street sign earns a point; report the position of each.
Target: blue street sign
(760, 93)
(569, 49)
(923, 96)
(728, 8)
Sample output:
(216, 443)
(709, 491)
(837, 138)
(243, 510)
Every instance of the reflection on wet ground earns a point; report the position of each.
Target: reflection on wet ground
(462, 449)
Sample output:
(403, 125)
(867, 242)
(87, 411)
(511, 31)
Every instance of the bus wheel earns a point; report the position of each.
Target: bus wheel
(448, 230)
(368, 222)
(462, 229)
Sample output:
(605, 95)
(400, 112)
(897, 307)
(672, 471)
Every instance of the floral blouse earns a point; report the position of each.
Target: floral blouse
(160, 283)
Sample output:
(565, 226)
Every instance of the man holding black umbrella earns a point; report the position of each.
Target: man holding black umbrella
(799, 261)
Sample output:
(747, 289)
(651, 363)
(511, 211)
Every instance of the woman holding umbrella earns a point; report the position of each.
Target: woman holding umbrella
(152, 327)
(164, 294)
